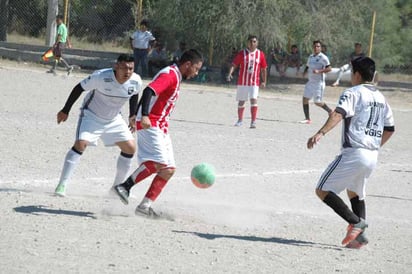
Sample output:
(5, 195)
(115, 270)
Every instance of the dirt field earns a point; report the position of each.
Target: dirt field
(261, 216)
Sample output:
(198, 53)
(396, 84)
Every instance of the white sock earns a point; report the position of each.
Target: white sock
(123, 167)
(70, 162)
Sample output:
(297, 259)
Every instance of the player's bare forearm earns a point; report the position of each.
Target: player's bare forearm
(332, 121)
(264, 78)
(386, 136)
(145, 122)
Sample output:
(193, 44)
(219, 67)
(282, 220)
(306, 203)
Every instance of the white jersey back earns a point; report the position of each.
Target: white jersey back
(319, 61)
(366, 113)
(106, 96)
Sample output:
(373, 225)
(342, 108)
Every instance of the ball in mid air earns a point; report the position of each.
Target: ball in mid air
(203, 175)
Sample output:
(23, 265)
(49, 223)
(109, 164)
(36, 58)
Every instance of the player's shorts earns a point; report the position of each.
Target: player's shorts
(245, 93)
(155, 145)
(345, 67)
(314, 90)
(350, 170)
(58, 50)
(90, 128)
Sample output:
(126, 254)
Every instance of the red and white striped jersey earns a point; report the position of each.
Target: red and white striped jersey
(166, 85)
(250, 65)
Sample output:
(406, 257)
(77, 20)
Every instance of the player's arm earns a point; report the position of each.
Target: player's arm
(264, 77)
(231, 70)
(335, 117)
(327, 69)
(305, 71)
(387, 134)
(63, 114)
(145, 106)
(133, 103)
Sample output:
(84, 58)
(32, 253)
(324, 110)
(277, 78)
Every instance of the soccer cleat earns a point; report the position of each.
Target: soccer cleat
(335, 84)
(53, 71)
(238, 123)
(253, 124)
(123, 193)
(359, 242)
(60, 190)
(146, 211)
(306, 121)
(354, 231)
(69, 70)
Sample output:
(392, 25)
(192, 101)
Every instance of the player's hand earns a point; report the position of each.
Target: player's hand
(61, 117)
(314, 140)
(229, 77)
(132, 123)
(263, 84)
(315, 71)
(145, 122)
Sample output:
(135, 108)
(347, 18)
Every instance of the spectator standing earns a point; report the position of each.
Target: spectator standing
(140, 41)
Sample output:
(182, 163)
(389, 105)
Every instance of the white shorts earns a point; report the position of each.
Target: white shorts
(314, 90)
(90, 128)
(350, 170)
(245, 93)
(345, 67)
(155, 145)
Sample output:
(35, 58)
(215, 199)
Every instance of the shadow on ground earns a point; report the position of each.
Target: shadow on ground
(40, 210)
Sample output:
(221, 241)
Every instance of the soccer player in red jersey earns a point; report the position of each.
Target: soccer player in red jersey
(155, 152)
(252, 64)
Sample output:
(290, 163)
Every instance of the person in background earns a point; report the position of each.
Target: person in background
(358, 52)
(157, 59)
(140, 42)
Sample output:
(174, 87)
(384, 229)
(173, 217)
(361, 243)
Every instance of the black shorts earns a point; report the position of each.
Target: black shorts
(58, 49)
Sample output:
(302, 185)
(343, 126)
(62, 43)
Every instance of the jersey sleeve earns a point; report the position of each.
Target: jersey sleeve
(238, 58)
(326, 62)
(346, 104)
(263, 62)
(389, 121)
(90, 82)
(163, 82)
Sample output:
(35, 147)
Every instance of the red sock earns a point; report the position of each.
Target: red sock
(253, 112)
(240, 111)
(155, 188)
(144, 170)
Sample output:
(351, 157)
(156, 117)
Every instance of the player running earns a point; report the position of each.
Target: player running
(318, 64)
(155, 152)
(368, 126)
(252, 63)
(100, 117)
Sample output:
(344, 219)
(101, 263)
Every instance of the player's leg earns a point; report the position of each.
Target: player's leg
(305, 105)
(124, 161)
(318, 98)
(253, 111)
(70, 162)
(342, 69)
(240, 112)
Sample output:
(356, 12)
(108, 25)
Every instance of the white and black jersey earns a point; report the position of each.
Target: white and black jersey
(106, 96)
(366, 114)
(318, 62)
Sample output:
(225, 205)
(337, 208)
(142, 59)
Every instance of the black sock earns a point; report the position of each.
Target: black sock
(358, 207)
(128, 184)
(325, 107)
(341, 208)
(306, 111)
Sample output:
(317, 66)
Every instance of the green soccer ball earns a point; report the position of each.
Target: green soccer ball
(203, 175)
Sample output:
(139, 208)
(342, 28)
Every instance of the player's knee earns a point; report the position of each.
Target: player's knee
(321, 194)
(166, 173)
(319, 104)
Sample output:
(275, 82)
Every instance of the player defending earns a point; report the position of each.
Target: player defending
(155, 152)
(356, 54)
(100, 117)
(252, 63)
(318, 64)
(368, 126)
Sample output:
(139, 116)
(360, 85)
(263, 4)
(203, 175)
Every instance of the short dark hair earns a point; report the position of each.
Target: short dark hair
(294, 46)
(191, 55)
(125, 58)
(365, 66)
(251, 36)
(358, 44)
(61, 17)
(317, 42)
(144, 22)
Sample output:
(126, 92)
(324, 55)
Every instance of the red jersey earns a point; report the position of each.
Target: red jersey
(250, 64)
(166, 86)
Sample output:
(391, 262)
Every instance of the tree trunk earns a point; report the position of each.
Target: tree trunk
(52, 10)
(4, 15)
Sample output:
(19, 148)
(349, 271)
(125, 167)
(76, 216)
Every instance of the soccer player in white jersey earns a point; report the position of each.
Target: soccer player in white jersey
(100, 117)
(318, 64)
(368, 124)
(155, 151)
(252, 64)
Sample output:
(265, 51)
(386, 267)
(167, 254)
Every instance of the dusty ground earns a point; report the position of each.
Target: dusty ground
(261, 216)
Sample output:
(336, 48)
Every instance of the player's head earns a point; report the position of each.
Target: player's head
(294, 48)
(365, 66)
(190, 63)
(144, 24)
(317, 46)
(123, 69)
(252, 42)
(358, 47)
(59, 19)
